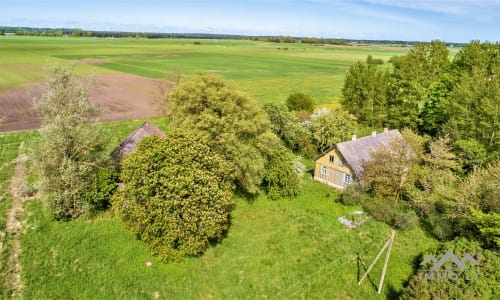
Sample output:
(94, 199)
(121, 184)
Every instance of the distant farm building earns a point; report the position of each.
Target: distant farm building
(342, 163)
(129, 144)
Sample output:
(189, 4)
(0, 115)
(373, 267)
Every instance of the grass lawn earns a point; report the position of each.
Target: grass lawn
(269, 72)
(274, 249)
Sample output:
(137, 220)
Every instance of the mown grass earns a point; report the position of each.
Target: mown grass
(266, 71)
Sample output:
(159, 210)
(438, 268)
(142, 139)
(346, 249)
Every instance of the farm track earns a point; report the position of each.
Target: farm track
(14, 227)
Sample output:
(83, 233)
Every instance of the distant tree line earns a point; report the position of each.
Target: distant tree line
(76, 32)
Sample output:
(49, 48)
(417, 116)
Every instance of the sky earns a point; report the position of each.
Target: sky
(407, 20)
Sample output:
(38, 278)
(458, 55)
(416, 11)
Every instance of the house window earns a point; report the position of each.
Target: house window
(323, 170)
(332, 158)
(347, 178)
(341, 162)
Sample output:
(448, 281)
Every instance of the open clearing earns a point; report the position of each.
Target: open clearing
(120, 96)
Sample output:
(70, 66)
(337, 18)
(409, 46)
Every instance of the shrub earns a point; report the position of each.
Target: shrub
(300, 101)
(485, 286)
(400, 217)
(103, 188)
(374, 61)
(281, 178)
(177, 196)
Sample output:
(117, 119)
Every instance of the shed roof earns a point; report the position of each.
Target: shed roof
(129, 144)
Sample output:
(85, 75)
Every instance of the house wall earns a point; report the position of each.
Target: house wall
(334, 171)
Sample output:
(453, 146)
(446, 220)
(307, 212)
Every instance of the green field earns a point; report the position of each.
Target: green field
(269, 72)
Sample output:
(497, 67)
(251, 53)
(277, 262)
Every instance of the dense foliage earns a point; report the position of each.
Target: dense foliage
(70, 157)
(300, 101)
(477, 282)
(318, 132)
(230, 123)
(427, 92)
(177, 195)
(329, 127)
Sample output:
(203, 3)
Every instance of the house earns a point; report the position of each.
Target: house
(129, 144)
(342, 163)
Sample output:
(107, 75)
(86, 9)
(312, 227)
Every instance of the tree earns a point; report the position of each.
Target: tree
(178, 195)
(288, 128)
(386, 174)
(365, 94)
(300, 101)
(412, 76)
(330, 127)
(70, 156)
(473, 108)
(230, 123)
(282, 179)
(433, 114)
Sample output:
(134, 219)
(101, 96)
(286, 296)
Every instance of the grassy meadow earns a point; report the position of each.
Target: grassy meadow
(284, 249)
(269, 72)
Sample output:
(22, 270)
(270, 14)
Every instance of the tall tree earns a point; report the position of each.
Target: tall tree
(329, 127)
(412, 76)
(229, 122)
(364, 94)
(69, 155)
(473, 106)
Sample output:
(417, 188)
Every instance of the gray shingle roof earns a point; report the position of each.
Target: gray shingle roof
(129, 144)
(355, 152)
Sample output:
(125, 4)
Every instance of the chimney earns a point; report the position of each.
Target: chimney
(374, 133)
(386, 130)
(353, 137)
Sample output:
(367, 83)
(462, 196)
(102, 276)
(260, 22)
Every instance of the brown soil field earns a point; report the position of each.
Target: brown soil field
(120, 96)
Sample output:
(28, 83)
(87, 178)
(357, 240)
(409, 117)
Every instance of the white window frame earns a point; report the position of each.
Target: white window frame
(347, 178)
(323, 170)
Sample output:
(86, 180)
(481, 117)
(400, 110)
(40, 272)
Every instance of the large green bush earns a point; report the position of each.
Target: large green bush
(281, 178)
(483, 281)
(177, 195)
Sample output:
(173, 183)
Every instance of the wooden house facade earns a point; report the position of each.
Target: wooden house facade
(340, 165)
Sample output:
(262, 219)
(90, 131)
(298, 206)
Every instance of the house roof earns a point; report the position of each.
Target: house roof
(358, 150)
(129, 144)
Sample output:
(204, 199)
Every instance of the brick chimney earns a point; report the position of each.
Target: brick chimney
(374, 133)
(353, 137)
(386, 130)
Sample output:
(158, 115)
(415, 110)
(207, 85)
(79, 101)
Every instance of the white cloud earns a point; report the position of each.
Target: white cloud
(473, 8)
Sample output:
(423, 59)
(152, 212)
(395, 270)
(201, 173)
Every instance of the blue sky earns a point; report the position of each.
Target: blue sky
(422, 20)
